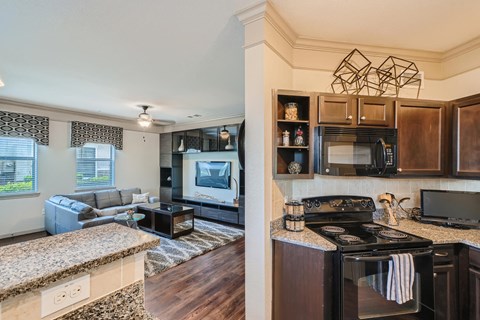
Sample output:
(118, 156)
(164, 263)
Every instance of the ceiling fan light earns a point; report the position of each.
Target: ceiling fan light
(144, 119)
(144, 123)
(224, 134)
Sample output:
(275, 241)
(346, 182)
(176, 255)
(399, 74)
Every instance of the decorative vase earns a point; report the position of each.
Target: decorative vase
(286, 138)
(291, 111)
(181, 148)
(299, 137)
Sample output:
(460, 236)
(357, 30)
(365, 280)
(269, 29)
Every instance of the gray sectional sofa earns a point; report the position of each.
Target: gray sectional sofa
(68, 212)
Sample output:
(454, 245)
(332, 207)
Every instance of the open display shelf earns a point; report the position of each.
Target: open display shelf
(284, 155)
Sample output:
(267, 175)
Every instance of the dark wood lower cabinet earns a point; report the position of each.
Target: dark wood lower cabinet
(302, 282)
(474, 279)
(446, 284)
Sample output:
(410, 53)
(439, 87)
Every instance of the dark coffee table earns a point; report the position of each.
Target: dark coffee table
(167, 219)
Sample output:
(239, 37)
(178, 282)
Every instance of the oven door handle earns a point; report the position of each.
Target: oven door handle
(381, 258)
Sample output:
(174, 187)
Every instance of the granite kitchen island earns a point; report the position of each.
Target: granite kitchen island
(111, 255)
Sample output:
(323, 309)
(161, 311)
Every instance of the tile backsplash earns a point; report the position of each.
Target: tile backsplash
(372, 187)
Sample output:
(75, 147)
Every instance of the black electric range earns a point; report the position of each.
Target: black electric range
(364, 252)
(347, 222)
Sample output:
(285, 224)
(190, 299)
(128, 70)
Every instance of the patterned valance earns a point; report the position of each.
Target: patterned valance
(84, 132)
(14, 124)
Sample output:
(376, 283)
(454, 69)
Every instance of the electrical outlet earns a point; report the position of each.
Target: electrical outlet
(64, 294)
(59, 297)
(75, 291)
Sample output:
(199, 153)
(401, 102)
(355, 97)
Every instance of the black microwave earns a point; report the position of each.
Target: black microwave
(342, 151)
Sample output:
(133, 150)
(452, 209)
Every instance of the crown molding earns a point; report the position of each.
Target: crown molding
(252, 13)
(304, 43)
(280, 25)
(461, 49)
(266, 11)
(205, 124)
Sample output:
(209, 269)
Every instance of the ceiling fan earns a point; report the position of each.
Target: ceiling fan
(145, 119)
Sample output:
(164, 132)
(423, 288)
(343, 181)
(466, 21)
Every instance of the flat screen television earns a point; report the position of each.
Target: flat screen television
(452, 207)
(213, 174)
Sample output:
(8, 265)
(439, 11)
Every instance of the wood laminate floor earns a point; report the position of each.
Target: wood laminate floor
(22, 238)
(209, 287)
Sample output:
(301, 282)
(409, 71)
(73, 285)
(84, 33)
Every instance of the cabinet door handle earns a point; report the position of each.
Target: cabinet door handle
(349, 117)
(441, 254)
(434, 274)
(399, 170)
(363, 118)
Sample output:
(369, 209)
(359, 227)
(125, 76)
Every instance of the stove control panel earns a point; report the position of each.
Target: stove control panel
(335, 204)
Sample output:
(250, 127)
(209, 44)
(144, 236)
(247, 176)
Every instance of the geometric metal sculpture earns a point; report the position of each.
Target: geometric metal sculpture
(350, 74)
(355, 75)
(397, 73)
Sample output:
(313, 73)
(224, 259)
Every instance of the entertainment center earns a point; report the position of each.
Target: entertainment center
(200, 175)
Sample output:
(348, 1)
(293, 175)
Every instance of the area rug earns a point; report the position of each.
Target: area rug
(205, 237)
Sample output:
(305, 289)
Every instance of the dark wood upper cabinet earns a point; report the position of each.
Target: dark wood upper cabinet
(466, 138)
(422, 137)
(334, 109)
(375, 112)
(346, 110)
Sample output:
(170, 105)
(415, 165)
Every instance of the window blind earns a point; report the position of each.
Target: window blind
(95, 166)
(18, 165)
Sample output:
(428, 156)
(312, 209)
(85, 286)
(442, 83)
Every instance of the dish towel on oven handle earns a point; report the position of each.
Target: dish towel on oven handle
(401, 274)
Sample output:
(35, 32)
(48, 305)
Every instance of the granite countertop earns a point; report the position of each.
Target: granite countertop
(34, 264)
(305, 238)
(439, 235)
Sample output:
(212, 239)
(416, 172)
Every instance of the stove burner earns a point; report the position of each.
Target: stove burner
(371, 227)
(332, 230)
(391, 234)
(349, 239)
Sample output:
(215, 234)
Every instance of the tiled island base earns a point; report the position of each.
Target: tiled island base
(116, 292)
(126, 303)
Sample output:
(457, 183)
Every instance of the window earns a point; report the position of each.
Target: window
(18, 165)
(95, 165)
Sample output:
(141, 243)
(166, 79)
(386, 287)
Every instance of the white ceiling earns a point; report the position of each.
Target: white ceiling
(186, 57)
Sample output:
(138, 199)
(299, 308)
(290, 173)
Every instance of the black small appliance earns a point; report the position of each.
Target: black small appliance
(341, 151)
(451, 208)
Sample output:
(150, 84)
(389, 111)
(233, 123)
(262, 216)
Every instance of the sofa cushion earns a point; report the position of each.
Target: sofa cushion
(107, 198)
(105, 212)
(85, 197)
(126, 195)
(83, 209)
(66, 202)
(140, 198)
(56, 199)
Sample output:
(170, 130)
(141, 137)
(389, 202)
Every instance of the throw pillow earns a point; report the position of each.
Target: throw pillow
(140, 198)
(126, 195)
